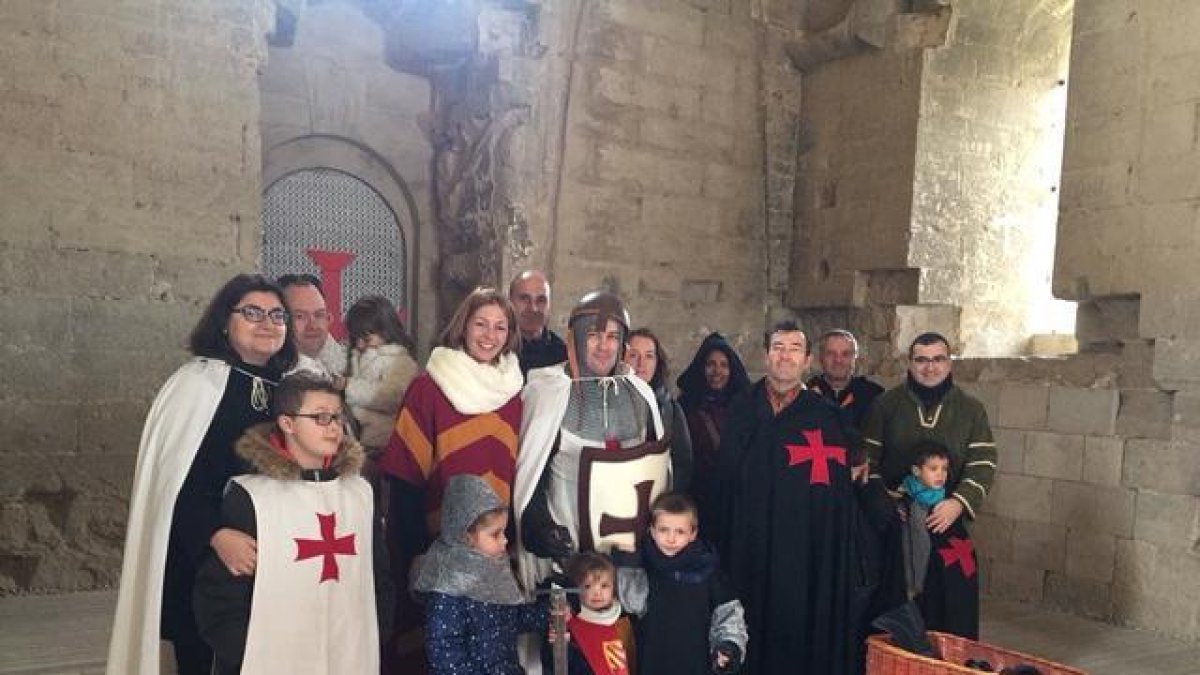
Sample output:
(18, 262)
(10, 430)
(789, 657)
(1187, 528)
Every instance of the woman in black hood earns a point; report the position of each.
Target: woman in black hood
(706, 388)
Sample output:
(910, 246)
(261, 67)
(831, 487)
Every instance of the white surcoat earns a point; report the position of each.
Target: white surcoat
(313, 609)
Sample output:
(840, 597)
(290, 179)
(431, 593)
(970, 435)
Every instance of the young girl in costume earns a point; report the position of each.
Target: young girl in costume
(381, 368)
(473, 608)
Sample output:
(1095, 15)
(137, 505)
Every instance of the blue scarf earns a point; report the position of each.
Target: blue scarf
(922, 494)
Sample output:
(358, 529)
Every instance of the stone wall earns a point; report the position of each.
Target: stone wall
(330, 99)
(1096, 509)
(1093, 510)
(989, 151)
(130, 176)
(651, 161)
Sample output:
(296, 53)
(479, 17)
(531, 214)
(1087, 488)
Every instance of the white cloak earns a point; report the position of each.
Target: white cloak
(176, 425)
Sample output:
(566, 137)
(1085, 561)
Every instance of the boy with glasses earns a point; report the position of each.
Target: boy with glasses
(930, 407)
(320, 586)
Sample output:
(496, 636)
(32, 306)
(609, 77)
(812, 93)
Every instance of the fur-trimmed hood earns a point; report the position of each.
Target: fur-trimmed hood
(263, 447)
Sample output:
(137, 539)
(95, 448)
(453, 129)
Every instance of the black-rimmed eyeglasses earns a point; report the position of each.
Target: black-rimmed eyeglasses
(323, 419)
(256, 314)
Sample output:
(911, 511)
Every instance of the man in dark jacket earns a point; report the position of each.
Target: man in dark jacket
(837, 352)
(789, 518)
(529, 294)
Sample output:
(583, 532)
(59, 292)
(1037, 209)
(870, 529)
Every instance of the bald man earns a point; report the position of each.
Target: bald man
(529, 294)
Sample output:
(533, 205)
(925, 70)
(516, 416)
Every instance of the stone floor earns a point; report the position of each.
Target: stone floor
(68, 634)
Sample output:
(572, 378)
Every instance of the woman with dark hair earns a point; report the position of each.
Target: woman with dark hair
(460, 416)
(706, 388)
(645, 355)
(241, 346)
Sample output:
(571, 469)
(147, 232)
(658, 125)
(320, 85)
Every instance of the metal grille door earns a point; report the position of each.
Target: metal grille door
(331, 224)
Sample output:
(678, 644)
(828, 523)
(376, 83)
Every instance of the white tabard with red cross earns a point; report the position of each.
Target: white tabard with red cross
(603, 496)
(314, 590)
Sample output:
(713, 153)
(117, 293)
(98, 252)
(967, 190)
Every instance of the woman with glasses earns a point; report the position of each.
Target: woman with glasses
(460, 416)
(241, 346)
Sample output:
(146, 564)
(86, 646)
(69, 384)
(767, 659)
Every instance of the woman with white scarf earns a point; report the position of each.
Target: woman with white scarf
(460, 416)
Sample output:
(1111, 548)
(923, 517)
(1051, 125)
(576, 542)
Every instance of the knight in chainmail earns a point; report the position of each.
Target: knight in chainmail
(591, 456)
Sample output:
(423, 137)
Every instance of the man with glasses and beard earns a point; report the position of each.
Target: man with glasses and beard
(930, 407)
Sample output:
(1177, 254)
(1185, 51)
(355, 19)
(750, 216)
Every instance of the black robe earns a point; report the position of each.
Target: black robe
(949, 601)
(792, 521)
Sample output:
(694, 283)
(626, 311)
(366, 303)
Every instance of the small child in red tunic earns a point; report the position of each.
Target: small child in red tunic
(601, 635)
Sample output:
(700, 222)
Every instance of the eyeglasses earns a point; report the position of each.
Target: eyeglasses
(319, 315)
(323, 419)
(256, 314)
(926, 360)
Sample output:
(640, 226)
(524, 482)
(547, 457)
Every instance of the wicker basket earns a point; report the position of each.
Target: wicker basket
(883, 658)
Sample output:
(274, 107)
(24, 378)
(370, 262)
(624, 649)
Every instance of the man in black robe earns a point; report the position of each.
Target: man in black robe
(790, 519)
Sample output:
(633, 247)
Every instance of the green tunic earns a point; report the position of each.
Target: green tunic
(897, 422)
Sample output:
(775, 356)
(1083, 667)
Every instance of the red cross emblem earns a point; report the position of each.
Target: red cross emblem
(328, 546)
(959, 551)
(816, 452)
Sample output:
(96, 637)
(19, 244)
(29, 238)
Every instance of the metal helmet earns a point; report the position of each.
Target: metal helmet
(593, 313)
(602, 305)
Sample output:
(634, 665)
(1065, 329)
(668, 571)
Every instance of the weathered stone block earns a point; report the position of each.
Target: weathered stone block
(1091, 556)
(1103, 457)
(1040, 545)
(1084, 597)
(1144, 414)
(1177, 363)
(648, 171)
(1168, 131)
(1164, 466)
(98, 324)
(993, 537)
(39, 323)
(1054, 455)
(1010, 450)
(42, 426)
(114, 427)
(1170, 520)
(726, 182)
(1083, 411)
(1022, 498)
(1093, 508)
(38, 375)
(1024, 406)
(1185, 416)
(1154, 587)
(691, 66)
(689, 137)
(683, 24)
(988, 394)
(670, 98)
(1013, 581)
